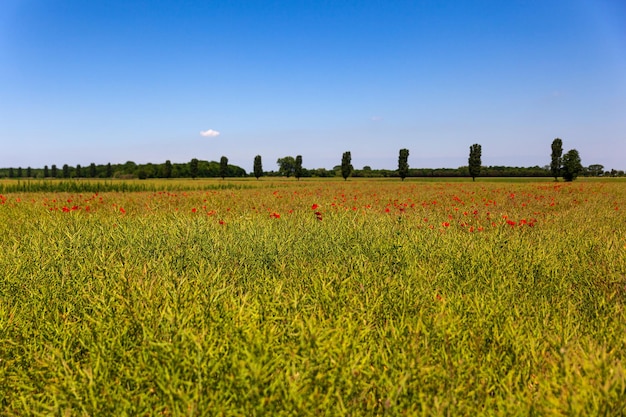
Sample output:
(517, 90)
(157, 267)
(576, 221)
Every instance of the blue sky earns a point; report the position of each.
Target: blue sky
(112, 81)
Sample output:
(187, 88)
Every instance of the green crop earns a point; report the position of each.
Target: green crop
(315, 298)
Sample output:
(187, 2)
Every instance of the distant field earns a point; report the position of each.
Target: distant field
(313, 297)
(178, 184)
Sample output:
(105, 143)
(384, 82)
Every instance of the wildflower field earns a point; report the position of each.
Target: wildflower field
(274, 297)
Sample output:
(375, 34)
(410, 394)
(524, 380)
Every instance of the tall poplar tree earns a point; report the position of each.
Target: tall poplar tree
(223, 167)
(258, 167)
(474, 161)
(53, 171)
(556, 162)
(403, 163)
(346, 165)
(297, 169)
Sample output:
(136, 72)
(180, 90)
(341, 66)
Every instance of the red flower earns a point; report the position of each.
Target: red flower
(193, 210)
(314, 207)
(445, 224)
(275, 215)
(122, 210)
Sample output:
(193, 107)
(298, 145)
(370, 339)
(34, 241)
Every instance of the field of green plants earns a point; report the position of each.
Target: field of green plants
(310, 297)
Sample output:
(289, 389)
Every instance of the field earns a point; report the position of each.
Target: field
(309, 297)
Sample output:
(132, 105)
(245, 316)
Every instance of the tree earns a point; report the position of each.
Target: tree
(53, 171)
(595, 170)
(46, 172)
(29, 172)
(572, 165)
(19, 172)
(297, 169)
(286, 165)
(129, 168)
(11, 173)
(109, 171)
(142, 174)
(557, 151)
(66, 171)
(79, 171)
(223, 167)
(193, 168)
(167, 169)
(474, 161)
(346, 166)
(92, 170)
(403, 163)
(258, 167)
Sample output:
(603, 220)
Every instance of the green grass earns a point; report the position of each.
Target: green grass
(161, 310)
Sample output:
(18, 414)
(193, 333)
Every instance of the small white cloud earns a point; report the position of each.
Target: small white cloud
(209, 133)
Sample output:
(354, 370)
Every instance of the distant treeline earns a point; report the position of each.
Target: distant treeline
(211, 169)
(128, 170)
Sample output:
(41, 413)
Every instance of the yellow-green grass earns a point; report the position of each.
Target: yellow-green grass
(315, 298)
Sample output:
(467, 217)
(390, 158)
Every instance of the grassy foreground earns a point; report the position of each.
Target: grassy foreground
(316, 298)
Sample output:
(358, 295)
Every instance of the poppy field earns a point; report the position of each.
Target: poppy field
(315, 297)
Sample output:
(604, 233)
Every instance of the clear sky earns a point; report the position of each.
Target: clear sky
(102, 81)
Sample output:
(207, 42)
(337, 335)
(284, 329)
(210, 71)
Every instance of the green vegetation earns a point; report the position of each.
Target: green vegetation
(346, 165)
(556, 158)
(258, 167)
(366, 297)
(297, 169)
(288, 166)
(572, 166)
(403, 163)
(474, 161)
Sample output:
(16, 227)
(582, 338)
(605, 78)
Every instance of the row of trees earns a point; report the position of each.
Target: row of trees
(288, 166)
(193, 169)
(568, 166)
